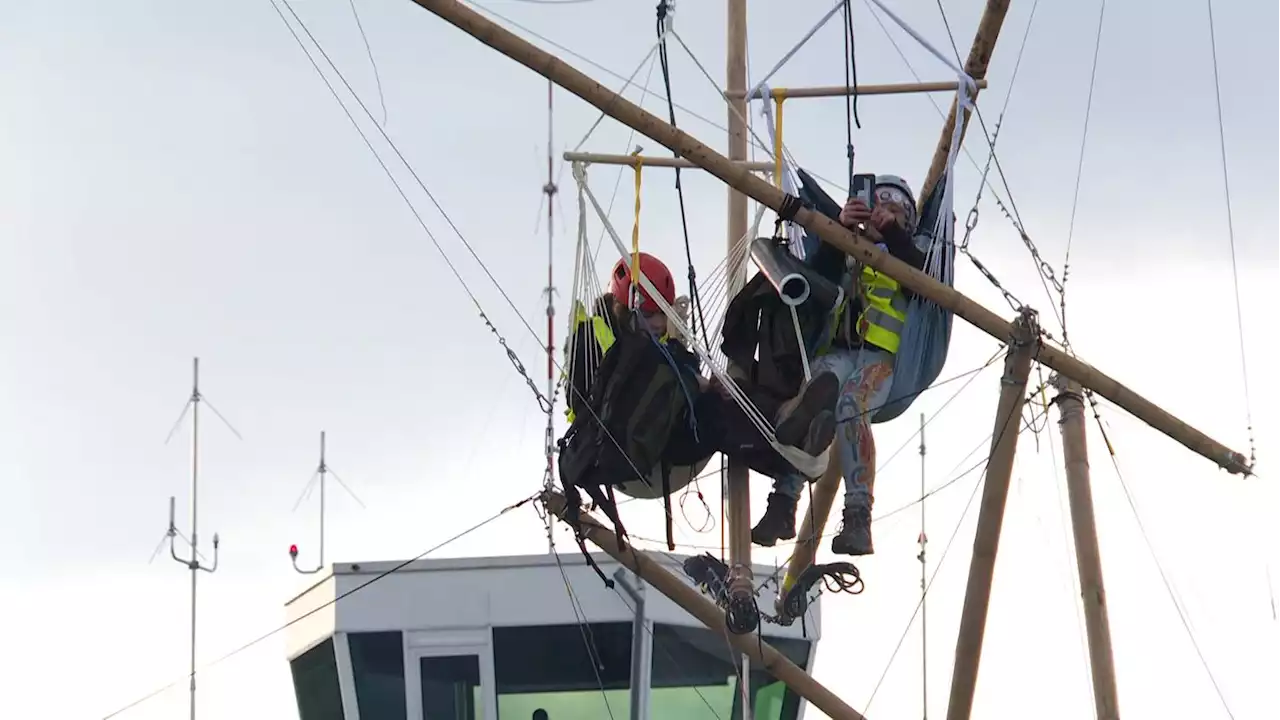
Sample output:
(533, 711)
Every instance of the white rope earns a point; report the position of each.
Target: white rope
(804, 353)
(760, 90)
(802, 461)
(579, 174)
(964, 76)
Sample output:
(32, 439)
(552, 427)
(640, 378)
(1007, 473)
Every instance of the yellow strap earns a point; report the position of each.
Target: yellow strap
(778, 95)
(635, 228)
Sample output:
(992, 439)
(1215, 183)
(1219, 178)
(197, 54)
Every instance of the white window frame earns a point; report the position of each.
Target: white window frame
(420, 644)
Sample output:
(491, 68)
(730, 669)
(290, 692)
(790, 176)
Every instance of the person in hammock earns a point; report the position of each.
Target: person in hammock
(714, 423)
(858, 345)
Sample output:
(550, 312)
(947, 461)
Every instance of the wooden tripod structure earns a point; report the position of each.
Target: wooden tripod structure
(1022, 336)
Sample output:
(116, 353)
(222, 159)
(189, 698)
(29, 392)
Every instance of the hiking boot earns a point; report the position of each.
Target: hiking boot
(854, 537)
(778, 523)
(797, 414)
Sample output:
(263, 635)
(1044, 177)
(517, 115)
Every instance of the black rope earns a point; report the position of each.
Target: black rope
(851, 82)
(836, 577)
(699, 315)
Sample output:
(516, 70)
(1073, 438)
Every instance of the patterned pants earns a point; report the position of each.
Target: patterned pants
(865, 379)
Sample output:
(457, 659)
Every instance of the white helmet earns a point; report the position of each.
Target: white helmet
(894, 181)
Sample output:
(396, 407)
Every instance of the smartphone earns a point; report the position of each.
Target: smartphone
(862, 187)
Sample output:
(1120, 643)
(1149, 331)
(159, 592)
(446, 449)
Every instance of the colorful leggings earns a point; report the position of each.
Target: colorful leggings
(865, 378)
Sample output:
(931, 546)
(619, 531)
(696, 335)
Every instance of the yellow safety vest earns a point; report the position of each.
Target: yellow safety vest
(884, 312)
(599, 329)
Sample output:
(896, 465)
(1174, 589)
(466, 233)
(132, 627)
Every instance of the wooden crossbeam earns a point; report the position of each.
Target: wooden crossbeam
(651, 161)
(702, 608)
(827, 91)
(828, 230)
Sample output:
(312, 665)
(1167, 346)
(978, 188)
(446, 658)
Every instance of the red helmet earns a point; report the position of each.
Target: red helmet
(653, 269)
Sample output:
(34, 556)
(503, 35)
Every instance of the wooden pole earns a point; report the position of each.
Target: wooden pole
(975, 67)
(737, 491)
(828, 230)
(1088, 558)
(822, 496)
(1023, 344)
(651, 161)
(697, 605)
(827, 91)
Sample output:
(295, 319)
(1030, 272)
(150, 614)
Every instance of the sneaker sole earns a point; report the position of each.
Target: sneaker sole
(820, 394)
(822, 430)
(853, 552)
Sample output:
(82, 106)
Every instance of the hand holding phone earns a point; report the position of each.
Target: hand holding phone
(857, 209)
(862, 188)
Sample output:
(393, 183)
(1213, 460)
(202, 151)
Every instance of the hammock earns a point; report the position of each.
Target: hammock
(927, 335)
(586, 282)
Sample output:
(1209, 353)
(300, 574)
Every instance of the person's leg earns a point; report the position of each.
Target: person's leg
(699, 436)
(779, 520)
(865, 390)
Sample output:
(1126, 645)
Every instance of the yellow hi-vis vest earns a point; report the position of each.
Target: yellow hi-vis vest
(884, 312)
(603, 336)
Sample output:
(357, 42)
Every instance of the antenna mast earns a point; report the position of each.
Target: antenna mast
(321, 471)
(550, 190)
(192, 563)
(924, 589)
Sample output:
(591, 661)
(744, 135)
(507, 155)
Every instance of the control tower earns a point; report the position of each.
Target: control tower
(530, 637)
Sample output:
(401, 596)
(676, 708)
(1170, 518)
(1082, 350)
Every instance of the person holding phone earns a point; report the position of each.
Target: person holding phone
(858, 346)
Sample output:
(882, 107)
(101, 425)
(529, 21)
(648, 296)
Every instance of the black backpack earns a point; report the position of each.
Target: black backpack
(636, 399)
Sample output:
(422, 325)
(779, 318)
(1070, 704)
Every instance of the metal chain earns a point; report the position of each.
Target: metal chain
(971, 222)
(543, 403)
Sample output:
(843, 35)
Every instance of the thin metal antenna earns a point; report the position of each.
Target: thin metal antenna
(550, 190)
(321, 471)
(321, 474)
(193, 562)
(924, 622)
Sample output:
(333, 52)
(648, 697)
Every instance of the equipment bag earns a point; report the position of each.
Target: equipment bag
(636, 400)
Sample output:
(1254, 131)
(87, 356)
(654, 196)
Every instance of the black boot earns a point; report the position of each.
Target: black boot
(798, 414)
(855, 533)
(778, 523)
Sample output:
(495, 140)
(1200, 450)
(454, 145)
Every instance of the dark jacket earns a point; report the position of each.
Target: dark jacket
(759, 338)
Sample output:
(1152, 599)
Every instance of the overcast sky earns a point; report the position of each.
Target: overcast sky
(177, 181)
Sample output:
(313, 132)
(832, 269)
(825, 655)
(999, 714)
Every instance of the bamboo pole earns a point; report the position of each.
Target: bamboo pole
(738, 477)
(828, 230)
(652, 161)
(822, 496)
(1088, 557)
(700, 607)
(984, 42)
(827, 91)
(995, 492)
